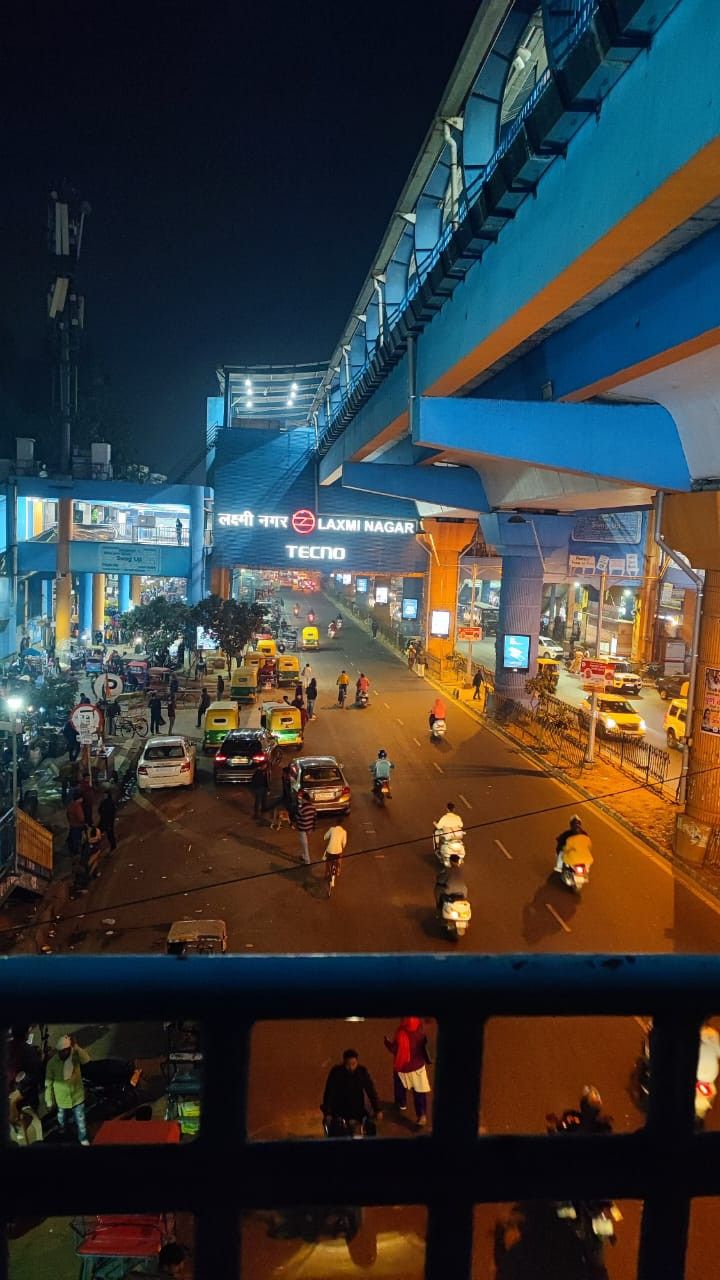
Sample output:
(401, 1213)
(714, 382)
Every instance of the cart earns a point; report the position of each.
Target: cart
(111, 1246)
(182, 1069)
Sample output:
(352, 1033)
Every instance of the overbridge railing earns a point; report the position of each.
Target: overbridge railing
(222, 1172)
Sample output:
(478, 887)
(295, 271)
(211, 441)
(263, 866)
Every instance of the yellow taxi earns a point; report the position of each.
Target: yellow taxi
(675, 722)
(616, 717)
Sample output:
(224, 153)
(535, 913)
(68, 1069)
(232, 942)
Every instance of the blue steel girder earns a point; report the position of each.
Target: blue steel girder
(635, 444)
(481, 116)
(446, 486)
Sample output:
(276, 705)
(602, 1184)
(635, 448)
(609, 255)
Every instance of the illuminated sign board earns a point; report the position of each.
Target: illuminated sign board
(305, 522)
(440, 623)
(307, 551)
(516, 653)
(409, 609)
(381, 595)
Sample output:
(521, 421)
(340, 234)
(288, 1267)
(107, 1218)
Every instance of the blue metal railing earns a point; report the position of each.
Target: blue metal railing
(222, 1173)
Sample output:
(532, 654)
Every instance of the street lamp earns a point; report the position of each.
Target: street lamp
(14, 705)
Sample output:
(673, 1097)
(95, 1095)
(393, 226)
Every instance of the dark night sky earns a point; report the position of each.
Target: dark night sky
(241, 160)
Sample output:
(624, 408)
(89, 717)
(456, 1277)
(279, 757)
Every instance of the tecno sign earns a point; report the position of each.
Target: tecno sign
(308, 551)
(305, 522)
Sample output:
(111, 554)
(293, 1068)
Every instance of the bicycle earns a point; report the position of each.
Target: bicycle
(127, 728)
(333, 865)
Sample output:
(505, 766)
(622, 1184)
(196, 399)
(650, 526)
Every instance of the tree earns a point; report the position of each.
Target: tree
(159, 623)
(58, 696)
(229, 622)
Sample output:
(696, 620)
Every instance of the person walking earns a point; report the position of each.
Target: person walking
(179, 531)
(171, 712)
(174, 685)
(342, 683)
(70, 734)
(305, 823)
(477, 686)
(306, 675)
(112, 712)
(311, 694)
(203, 705)
(220, 688)
(91, 851)
(106, 819)
(87, 796)
(259, 785)
(64, 1086)
(374, 629)
(76, 823)
(155, 708)
(299, 699)
(411, 656)
(410, 1062)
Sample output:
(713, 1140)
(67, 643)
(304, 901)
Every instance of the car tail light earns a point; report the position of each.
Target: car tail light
(142, 769)
(185, 766)
(346, 791)
(220, 759)
(259, 759)
(705, 1089)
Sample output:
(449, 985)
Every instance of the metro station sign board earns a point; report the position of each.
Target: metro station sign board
(305, 522)
(469, 633)
(595, 673)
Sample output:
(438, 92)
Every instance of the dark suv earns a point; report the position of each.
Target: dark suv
(672, 686)
(242, 752)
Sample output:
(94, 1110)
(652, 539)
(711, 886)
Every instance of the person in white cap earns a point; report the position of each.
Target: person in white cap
(64, 1086)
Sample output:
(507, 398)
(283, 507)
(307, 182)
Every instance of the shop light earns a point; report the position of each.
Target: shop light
(293, 386)
(248, 404)
(248, 383)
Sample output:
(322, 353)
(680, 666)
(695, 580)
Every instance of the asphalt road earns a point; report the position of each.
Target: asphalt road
(199, 852)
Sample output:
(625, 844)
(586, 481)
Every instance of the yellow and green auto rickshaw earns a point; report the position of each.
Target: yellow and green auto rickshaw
(284, 722)
(288, 669)
(310, 638)
(254, 659)
(243, 685)
(220, 718)
(549, 672)
(267, 647)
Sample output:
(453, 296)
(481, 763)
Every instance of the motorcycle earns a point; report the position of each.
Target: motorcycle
(311, 615)
(456, 914)
(576, 861)
(296, 611)
(575, 876)
(112, 1082)
(705, 1090)
(593, 1221)
(381, 790)
(449, 843)
(438, 730)
(362, 697)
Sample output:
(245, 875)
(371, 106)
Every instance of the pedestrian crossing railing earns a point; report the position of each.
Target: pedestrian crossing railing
(450, 1169)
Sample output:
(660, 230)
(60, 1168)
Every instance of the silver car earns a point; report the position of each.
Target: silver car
(323, 779)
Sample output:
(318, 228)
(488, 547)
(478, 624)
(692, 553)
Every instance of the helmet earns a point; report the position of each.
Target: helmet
(382, 755)
(576, 818)
(591, 1097)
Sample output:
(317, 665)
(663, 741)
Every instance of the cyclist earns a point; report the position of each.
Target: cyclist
(342, 683)
(335, 842)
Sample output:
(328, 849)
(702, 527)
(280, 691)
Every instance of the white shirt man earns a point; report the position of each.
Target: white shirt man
(335, 841)
(450, 821)
(709, 1057)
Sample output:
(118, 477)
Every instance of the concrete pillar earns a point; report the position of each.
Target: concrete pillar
(123, 592)
(136, 589)
(47, 597)
(98, 602)
(220, 583)
(647, 601)
(196, 584)
(63, 582)
(85, 616)
(691, 524)
(445, 541)
(521, 591)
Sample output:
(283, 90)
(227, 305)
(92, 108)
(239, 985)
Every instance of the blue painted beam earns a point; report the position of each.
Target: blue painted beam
(446, 486)
(634, 444)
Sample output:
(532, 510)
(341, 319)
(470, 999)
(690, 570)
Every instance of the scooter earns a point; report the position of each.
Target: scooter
(438, 729)
(592, 1221)
(575, 875)
(705, 1090)
(362, 697)
(112, 1082)
(311, 615)
(449, 843)
(381, 790)
(575, 864)
(456, 915)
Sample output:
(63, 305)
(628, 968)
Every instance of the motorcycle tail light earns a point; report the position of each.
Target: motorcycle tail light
(705, 1089)
(580, 869)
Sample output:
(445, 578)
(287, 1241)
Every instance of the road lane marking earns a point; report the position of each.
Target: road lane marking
(399, 720)
(502, 849)
(386, 705)
(559, 919)
(465, 800)
(438, 767)
(417, 742)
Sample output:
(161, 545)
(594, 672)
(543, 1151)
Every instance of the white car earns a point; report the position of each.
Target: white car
(166, 762)
(548, 648)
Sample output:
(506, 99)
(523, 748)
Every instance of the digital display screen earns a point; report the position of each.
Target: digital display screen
(381, 595)
(205, 641)
(440, 623)
(346, 579)
(361, 585)
(409, 609)
(516, 653)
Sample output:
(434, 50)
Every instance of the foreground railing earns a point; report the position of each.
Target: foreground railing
(222, 1172)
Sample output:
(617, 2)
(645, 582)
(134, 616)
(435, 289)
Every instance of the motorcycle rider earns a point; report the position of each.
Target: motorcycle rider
(438, 711)
(450, 823)
(342, 683)
(450, 883)
(575, 829)
(381, 768)
(346, 1090)
(362, 685)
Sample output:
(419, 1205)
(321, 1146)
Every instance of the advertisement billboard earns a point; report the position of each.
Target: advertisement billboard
(440, 623)
(516, 653)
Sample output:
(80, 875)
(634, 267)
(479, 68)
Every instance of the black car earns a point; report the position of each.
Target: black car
(242, 752)
(672, 686)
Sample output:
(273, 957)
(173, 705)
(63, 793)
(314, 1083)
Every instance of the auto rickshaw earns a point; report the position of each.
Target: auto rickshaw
(310, 638)
(549, 673)
(267, 675)
(197, 937)
(243, 685)
(253, 659)
(220, 718)
(284, 722)
(267, 646)
(95, 661)
(136, 670)
(288, 669)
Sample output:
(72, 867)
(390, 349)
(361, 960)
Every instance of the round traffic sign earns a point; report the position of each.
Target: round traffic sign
(87, 720)
(108, 686)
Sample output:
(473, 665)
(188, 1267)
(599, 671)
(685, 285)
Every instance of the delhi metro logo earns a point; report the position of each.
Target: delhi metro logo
(303, 521)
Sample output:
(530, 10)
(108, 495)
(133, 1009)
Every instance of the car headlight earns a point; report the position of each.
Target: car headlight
(642, 726)
(610, 723)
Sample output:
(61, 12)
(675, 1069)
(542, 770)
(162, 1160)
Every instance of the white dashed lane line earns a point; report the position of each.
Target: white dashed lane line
(503, 850)
(417, 742)
(438, 767)
(559, 919)
(465, 801)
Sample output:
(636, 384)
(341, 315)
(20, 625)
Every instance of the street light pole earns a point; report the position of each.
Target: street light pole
(14, 705)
